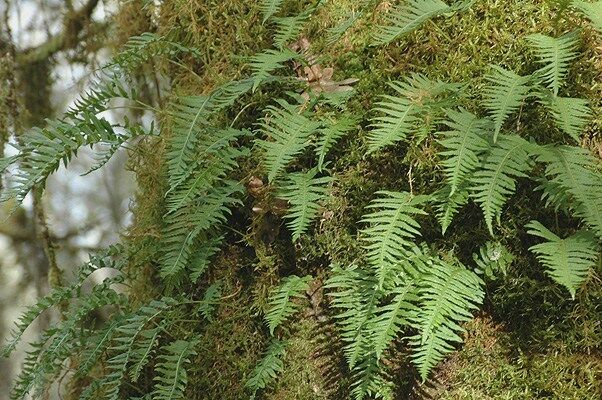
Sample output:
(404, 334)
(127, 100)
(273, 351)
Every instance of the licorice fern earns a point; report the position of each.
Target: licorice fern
(268, 368)
(568, 261)
(556, 54)
(504, 94)
(171, 378)
(304, 192)
(495, 181)
(592, 11)
(264, 64)
(330, 134)
(270, 7)
(570, 114)
(281, 300)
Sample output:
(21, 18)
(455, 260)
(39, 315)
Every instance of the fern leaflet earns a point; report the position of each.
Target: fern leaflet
(281, 300)
(268, 368)
(556, 54)
(330, 134)
(171, 378)
(592, 11)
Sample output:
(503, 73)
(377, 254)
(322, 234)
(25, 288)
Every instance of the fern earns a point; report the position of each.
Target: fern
(447, 204)
(575, 171)
(281, 300)
(268, 368)
(570, 114)
(592, 11)
(504, 95)
(287, 132)
(447, 296)
(201, 257)
(556, 54)
(569, 260)
(171, 378)
(289, 28)
(336, 32)
(144, 347)
(407, 18)
(210, 300)
(416, 96)
(463, 145)
(495, 181)
(96, 345)
(492, 259)
(264, 64)
(303, 191)
(269, 8)
(330, 134)
(391, 230)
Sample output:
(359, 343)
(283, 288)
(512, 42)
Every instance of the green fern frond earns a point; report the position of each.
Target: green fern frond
(124, 340)
(447, 205)
(281, 300)
(391, 230)
(504, 95)
(304, 192)
(268, 368)
(201, 257)
(289, 28)
(264, 64)
(211, 300)
(330, 134)
(556, 54)
(447, 296)
(592, 11)
(577, 172)
(96, 345)
(287, 131)
(143, 349)
(495, 181)
(463, 144)
(415, 96)
(337, 31)
(407, 18)
(185, 225)
(171, 378)
(269, 8)
(570, 114)
(569, 260)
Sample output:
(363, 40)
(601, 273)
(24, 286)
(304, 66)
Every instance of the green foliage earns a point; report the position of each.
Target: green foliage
(504, 95)
(171, 378)
(556, 54)
(448, 205)
(416, 97)
(407, 18)
(592, 11)
(574, 176)
(330, 134)
(570, 114)
(304, 192)
(287, 130)
(492, 260)
(447, 296)
(211, 300)
(264, 64)
(269, 8)
(496, 180)
(463, 144)
(289, 28)
(281, 300)
(391, 230)
(569, 260)
(268, 368)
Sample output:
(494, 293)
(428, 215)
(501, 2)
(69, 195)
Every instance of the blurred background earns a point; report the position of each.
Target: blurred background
(48, 51)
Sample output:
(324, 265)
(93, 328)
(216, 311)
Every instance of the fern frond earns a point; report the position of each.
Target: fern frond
(126, 336)
(289, 28)
(447, 204)
(407, 18)
(569, 260)
(463, 144)
(304, 192)
(281, 300)
(337, 31)
(556, 54)
(576, 171)
(447, 296)
(143, 349)
(495, 181)
(492, 259)
(402, 112)
(330, 134)
(185, 225)
(504, 95)
(171, 378)
(269, 8)
(592, 11)
(570, 114)
(211, 300)
(268, 368)
(287, 131)
(98, 344)
(263, 64)
(391, 230)
(201, 257)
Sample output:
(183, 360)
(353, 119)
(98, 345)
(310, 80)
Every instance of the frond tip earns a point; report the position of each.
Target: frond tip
(556, 54)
